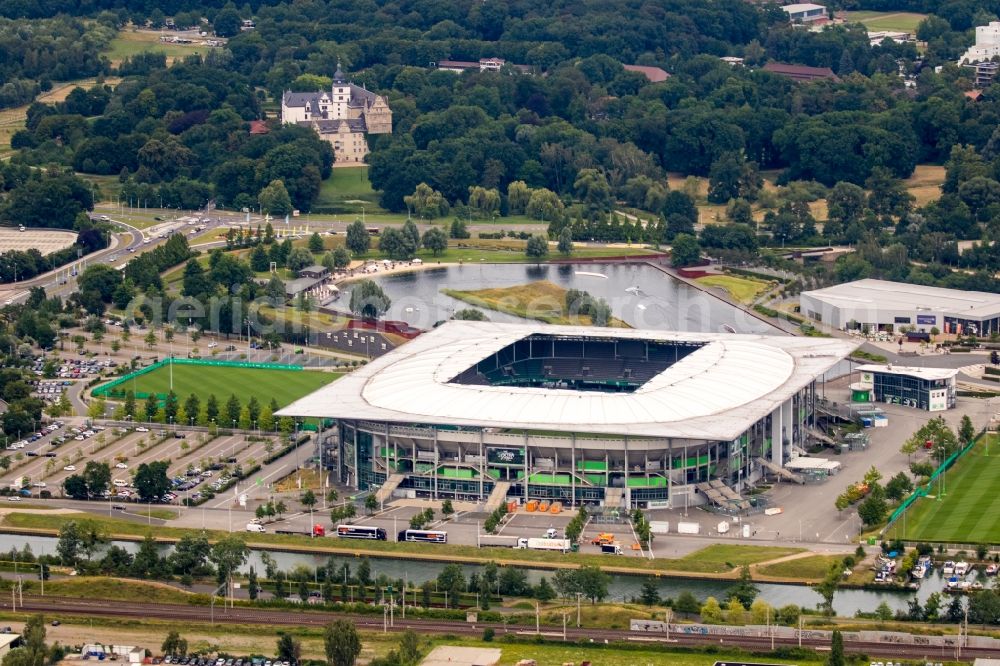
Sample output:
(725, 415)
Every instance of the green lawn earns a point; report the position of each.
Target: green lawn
(969, 511)
(129, 43)
(721, 558)
(285, 386)
(348, 190)
(812, 567)
(893, 21)
(741, 289)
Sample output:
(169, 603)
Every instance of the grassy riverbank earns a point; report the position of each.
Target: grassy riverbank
(542, 301)
(714, 561)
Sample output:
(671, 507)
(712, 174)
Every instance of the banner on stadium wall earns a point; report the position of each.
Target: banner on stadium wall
(927, 320)
(505, 456)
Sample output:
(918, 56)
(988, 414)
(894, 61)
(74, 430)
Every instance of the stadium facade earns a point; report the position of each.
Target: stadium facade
(487, 411)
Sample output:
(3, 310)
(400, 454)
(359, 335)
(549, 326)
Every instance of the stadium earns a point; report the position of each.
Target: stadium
(488, 411)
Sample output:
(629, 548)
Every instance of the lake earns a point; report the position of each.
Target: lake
(638, 294)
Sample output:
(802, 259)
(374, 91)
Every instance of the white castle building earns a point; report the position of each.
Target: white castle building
(342, 116)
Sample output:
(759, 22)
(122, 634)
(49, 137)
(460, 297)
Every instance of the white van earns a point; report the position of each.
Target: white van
(120, 484)
(253, 527)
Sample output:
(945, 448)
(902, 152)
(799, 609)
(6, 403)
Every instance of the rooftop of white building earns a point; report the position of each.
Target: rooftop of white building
(884, 295)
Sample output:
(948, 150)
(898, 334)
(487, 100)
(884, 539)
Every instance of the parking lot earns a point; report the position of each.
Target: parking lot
(45, 241)
(194, 463)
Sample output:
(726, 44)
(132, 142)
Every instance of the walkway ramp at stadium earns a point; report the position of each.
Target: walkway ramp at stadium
(785, 474)
(384, 493)
(818, 434)
(614, 497)
(498, 496)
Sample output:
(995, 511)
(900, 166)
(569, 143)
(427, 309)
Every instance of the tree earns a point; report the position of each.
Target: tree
(68, 544)
(446, 508)
(650, 594)
(543, 591)
(315, 243)
(174, 645)
(685, 251)
(76, 487)
(371, 503)
(308, 499)
(274, 199)
(593, 582)
(396, 244)
(368, 300)
(735, 613)
(836, 657)
(289, 648)
(298, 259)
(150, 340)
(233, 409)
(426, 202)
(565, 244)
(228, 554)
(744, 590)
(97, 476)
(827, 587)
(341, 643)
(435, 240)
(358, 240)
(711, 611)
(151, 481)
(686, 603)
(966, 431)
(452, 581)
(898, 486)
(873, 509)
(537, 247)
(227, 22)
(470, 314)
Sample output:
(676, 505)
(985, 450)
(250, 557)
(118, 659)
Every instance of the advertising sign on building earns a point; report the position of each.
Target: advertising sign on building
(497, 456)
(867, 380)
(938, 400)
(926, 320)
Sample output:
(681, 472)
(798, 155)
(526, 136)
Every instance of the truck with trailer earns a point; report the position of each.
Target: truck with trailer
(317, 531)
(562, 545)
(499, 541)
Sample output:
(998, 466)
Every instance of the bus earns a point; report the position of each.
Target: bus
(360, 532)
(434, 536)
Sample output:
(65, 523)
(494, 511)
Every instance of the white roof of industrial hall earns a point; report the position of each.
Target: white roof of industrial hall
(881, 294)
(715, 392)
(909, 371)
(801, 7)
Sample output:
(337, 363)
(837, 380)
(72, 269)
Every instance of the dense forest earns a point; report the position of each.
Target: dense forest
(567, 142)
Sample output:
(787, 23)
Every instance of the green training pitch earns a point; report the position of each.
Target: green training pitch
(969, 511)
(285, 386)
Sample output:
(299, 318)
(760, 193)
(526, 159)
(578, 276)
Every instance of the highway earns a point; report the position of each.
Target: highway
(61, 606)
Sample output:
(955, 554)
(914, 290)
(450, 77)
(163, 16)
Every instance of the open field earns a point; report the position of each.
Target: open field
(925, 183)
(285, 386)
(812, 567)
(130, 42)
(893, 21)
(348, 190)
(12, 120)
(741, 289)
(542, 300)
(969, 511)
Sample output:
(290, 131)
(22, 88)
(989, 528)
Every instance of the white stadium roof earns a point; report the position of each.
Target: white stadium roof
(715, 392)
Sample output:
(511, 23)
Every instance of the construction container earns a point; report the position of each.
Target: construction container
(543, 506)
(511, 507)
(531, 506)
(556, 507)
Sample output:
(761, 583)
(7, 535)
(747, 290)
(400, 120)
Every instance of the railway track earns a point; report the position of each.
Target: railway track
(65, 606)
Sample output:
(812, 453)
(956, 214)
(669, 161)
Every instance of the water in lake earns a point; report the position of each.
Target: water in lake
(640, 295)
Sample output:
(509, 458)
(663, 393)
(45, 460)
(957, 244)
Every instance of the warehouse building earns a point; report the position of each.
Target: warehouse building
(488, 411)
(878, 305)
